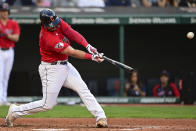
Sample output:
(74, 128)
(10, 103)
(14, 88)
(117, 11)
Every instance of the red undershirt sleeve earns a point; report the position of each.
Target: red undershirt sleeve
(73, 35)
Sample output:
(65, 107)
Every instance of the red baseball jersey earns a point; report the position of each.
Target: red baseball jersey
(11, 27)
(53, 43)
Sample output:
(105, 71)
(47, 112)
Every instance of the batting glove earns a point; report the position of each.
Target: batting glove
(98, 57)
(91, 49)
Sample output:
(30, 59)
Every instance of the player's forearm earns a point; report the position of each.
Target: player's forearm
(80, 54)
(75, 36)
(76, 53)
(14, 37)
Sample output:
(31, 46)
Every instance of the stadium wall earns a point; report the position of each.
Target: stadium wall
(149, 48)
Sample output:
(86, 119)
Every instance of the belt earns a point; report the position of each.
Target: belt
(59, 63)
(55, 63)
(4, 49)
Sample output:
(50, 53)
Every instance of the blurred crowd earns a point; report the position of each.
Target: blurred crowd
(103, 3)
(162, 88)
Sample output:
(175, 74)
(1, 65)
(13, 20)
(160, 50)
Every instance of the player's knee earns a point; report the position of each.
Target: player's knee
(49, 106)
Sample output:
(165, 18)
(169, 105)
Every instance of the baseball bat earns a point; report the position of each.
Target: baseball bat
(118, 64)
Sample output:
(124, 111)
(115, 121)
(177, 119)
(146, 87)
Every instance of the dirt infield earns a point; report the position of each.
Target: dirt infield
(88, 124)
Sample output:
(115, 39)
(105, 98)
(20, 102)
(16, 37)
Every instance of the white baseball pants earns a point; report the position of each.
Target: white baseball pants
(6, 63)
(53, 77)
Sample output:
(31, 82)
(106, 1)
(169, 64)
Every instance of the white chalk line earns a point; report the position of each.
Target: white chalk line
(49, 129)
(140, 128)
(132, 129)
(155, 127)
(125, 129)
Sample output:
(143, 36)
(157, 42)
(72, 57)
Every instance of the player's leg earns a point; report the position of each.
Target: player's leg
(52, 77)
(75, 82)
(1, 75)
(8, 67)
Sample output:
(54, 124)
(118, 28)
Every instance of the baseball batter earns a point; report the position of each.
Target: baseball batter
(9, 34)
(55, 70)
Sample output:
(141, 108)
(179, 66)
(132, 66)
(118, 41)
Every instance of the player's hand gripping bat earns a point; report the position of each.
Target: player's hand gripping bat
(118, 64)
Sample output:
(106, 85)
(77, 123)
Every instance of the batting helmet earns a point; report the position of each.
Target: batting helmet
(4, 7)
(48, 18)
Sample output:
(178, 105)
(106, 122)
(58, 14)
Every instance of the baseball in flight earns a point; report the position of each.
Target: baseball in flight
(190, 35)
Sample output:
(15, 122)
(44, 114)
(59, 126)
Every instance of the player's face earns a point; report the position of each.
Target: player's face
(164, 79)
(4, 14)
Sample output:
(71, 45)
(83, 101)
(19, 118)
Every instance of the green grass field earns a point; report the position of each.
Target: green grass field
(60, 111)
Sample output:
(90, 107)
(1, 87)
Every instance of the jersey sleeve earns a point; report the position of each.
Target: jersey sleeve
(55, 44)
(72, 35)
(16, 28)
(175, 90)
(155, 90)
